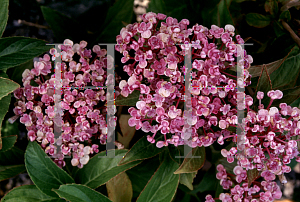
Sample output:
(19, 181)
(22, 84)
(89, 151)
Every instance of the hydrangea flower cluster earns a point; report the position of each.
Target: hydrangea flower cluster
(154, 51)
(83, 110)
(266, 190)
(154, 57)
(270, 143)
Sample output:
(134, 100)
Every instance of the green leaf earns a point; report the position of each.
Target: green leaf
(131, 100)
(285, 15)
(120, 12)
(28, 193)
(18, 50)
(157, 6)
(219, 190)
(13, 156)
(9, 129)
(45, 174)
(100, 170)
(252, 175)
(191, 164)
(175, 9)
(63, 26)
(175, 152)
(3, 74)
(141, 150)
(3, 15)
(141, 174)
(79, 193)
(209, 182)
(7, 172)
(217, 14)
(287, 73)
(278, 29)
(258, 20)
(271, 6)
(224, 16)
(187, 179)
(119, 188)
(8, 142)
(163, 184)
(296, 103)
(4, 103)
(7, 86)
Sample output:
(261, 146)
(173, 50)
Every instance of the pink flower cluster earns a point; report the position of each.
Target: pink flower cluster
(83, 110)
(154, 51)
(270, 143)
(267, 190)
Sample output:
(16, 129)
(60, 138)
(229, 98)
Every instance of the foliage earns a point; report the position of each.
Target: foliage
(142, 172)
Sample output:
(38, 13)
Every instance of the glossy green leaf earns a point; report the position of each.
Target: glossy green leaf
(7, 86)
(3, 74)
(121, 12)
(193, 161)
(219, 190)
(141, 174)
(187, 179)
(278, 29)
(100, 170)
(296, 103)
(8, 142)
(28, 193)
(252, 175)
(119, 188)
(63, 26)
(13, 156)
(217, 14)
(209, 182)
(131, 100)
(287, 73)
(176, 153)
(157, 6)
(18, 50)
(4, 103)
(3, 15)
(141, 150)
(45, 174)
(258, 20)
(9, 129)
(7, 172)
(163, 184)
(79, 193)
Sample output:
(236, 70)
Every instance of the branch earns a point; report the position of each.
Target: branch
(292, 33)
(32, 24)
